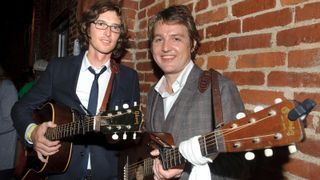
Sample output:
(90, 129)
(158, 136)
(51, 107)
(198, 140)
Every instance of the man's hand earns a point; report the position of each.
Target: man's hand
(41, 144)
(159, 172)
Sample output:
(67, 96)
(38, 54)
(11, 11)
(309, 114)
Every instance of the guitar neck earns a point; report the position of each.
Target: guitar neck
(171, 157)
(71, 129)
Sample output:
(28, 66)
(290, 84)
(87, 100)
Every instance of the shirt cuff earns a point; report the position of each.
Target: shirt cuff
(29, 130)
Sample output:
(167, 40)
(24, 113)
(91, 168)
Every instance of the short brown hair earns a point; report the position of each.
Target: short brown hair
(177, 14)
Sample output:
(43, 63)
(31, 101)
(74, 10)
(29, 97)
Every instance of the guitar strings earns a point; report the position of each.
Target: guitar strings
(63, 130)
(210, 139)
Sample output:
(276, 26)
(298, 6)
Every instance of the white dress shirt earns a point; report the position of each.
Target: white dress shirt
(178, 84)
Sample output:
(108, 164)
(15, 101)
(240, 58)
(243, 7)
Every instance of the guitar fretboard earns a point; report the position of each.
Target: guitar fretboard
(71, 129)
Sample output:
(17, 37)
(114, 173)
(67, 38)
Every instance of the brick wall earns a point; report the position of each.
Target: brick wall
(269, 48)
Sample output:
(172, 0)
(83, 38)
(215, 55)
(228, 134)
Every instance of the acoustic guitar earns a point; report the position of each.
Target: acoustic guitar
(267, 128)
(71, 124)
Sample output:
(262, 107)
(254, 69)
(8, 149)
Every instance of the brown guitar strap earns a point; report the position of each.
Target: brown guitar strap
(204, 82)
(114, 70)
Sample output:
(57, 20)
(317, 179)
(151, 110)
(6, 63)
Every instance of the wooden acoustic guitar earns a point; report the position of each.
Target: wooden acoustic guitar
(71, 124)
(264, 129)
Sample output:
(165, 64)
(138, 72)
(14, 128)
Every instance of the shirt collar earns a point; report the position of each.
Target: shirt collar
(177, 84)
(86, 64)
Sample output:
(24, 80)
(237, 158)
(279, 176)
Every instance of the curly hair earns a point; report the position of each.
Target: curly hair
(92, 14)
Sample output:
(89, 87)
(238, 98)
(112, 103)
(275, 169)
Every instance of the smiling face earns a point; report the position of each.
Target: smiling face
(171, 48)
(104, 41)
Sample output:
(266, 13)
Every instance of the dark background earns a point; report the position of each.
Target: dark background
(16, 19)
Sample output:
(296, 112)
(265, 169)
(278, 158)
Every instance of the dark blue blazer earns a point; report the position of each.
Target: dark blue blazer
(59, 83)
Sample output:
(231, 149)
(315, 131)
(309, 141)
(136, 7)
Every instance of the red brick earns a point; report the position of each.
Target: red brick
(251, 6)
(271, 59)
(218, 62)
(142, 14)
(260, 97)
(201, 5)
(150, 77)
(141, 56)
(174, 2)
(223, 28)
(215, 16)
(216, 2)
(144, 4)
(295, 36)
(304, 58)
(246, 78)
(268, 20)
(130, 4)
(210, 46)
(293, 79)
(144, 87)
(144, 66)
(290, 2)
(155, 9)
(303, 169)
(130, 13)
(308, 11)
(250, 42)
(143, 44)
(310, 147)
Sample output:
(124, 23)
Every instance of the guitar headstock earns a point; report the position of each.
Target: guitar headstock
(122, 121)
(264, 129)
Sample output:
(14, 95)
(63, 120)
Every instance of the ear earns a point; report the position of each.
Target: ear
(194, 45)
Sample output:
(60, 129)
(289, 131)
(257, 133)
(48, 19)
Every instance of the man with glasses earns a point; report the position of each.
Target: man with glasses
(71, 81)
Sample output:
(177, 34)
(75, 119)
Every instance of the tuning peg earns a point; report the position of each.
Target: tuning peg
(134, 136)
(125, 106)
(292, 148)
(240, 115)
(116, 108)
(277, 100)
(115, 136)
(124, 136)
(135, 103)
(249, 156)
(258, 108)
(268, 152)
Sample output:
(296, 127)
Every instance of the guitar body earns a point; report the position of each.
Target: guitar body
(29, 166)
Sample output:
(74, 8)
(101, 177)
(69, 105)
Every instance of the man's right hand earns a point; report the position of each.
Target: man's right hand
(41, 144)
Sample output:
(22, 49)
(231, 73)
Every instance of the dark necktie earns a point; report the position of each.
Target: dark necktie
(93, 98)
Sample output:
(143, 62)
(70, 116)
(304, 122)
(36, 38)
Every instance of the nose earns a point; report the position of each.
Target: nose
(107, 31)
(165, 46)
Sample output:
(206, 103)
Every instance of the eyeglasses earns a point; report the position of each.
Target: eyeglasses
(103, 26)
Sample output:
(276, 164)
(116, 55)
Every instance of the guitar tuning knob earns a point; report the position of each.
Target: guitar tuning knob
(124, 136)
(257, 109)
(125, 106)
(134, 136)
(278, 100)
(115, 136)
(116, 108)
(240, 115)
(292, 148)
(135, 103)
(249, 156)
(268, 152)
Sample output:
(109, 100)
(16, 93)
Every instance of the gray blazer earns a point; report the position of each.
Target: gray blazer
(8, 134)
(191, 115)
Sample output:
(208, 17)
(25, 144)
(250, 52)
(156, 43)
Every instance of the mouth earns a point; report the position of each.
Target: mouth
(168, 57)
